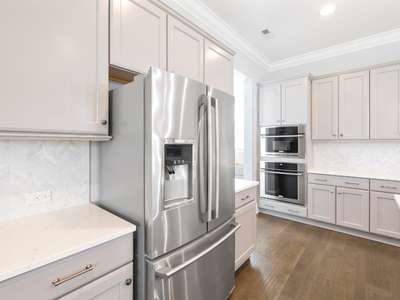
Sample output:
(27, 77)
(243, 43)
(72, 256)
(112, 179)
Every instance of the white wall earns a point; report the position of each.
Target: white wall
(35, 166)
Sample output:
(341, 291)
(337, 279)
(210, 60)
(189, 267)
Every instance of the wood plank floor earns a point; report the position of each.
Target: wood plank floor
(298, 261)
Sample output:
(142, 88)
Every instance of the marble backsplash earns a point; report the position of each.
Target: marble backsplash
(374, 159)
(61, 167)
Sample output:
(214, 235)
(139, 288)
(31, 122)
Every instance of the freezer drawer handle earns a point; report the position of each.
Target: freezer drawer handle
(165, 273)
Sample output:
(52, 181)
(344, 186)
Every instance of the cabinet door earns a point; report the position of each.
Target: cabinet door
(294, 101)
(385, 215)
(352, 208)
(117, 285)
(270, 105)
(245, 237)
(354, 106)
(325, 108)
(322, 203)
(218, 67)
(185, 50)
(385, 103)
(54, 57)
(138, 35)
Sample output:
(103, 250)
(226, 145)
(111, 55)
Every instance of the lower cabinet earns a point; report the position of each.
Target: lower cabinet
(117, 285)
(245, 238)
(352, 208)
(385, 215)
(322, 203)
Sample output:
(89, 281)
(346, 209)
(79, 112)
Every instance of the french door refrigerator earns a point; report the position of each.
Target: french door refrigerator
(170, 169)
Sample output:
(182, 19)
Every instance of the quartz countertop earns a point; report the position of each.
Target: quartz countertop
(32, 242)
(354, 174)
(243, 184)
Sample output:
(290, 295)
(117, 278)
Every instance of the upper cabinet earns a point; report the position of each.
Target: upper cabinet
(185, 50)
(54, 59)
(325, 108)
(218, 67)
(284, 103)
(138, 35)
(354, 106)
(385, 103)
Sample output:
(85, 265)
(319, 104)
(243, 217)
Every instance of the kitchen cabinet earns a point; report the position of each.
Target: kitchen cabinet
(322, 203)
(385, 103)
(385, 215)
(138, 35)
(354, 106)
(185, 50)
(118, 285)
(325, 105)
(54, 58)
(218, 67)
(294, 101)
(352, 208)
(270, 105)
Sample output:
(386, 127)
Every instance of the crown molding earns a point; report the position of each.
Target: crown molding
(202, 16)
(368, 42)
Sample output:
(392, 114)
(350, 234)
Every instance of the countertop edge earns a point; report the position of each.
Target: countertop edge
(332, 173)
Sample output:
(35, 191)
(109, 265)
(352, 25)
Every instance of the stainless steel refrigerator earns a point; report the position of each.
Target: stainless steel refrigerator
(170, 169)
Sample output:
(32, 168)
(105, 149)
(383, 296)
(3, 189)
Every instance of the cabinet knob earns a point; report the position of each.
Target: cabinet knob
(104, 122)
(341, 134)
(128, 281)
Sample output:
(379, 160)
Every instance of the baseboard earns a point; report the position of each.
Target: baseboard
(365, 235)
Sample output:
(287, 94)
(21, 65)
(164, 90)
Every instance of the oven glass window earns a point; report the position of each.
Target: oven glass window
(280, 185)
(282, 145)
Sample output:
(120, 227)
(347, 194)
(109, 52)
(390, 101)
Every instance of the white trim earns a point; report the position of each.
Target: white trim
(365, 235)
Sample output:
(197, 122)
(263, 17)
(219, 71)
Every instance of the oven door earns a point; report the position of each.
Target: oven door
(282, 186)
(282, 141)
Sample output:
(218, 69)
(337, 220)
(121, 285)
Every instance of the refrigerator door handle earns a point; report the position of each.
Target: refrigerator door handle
(210, 158)
(202, 159)
(166, 273)
(217, 157)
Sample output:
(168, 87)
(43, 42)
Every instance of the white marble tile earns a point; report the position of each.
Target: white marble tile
(34, 166)
(377, 159)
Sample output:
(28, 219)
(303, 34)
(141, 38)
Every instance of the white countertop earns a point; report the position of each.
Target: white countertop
(397, 198)
(354, 174)
(32, 242)
(243, 184)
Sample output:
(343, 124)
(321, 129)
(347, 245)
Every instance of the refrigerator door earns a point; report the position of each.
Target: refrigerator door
(202, 270)
(221, 158)
(173, 212)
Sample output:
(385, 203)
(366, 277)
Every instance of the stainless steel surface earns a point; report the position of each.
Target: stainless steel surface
(217, 157)
(63, 280)
(283, 173)
(210, 158)
(170, 271)
(281, 136)
(209, 277)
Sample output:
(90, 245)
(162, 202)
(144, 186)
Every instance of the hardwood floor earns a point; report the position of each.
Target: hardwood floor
(298, 261)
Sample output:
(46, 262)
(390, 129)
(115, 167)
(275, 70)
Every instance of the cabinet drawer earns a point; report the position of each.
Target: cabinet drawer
(245, 197)
(385, 186)
(351, 182)
(63, 276)
(321, 179)
(286, 208)
(266, 204)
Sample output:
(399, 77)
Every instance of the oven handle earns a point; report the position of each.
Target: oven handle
(282, 173)
(281, 136)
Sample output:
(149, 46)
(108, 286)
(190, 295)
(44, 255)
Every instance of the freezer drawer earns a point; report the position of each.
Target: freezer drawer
(203, 270)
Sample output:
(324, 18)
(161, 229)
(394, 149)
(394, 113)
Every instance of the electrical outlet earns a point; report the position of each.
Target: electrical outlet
(38, 197)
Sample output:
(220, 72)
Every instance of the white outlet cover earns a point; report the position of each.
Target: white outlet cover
(38, 197)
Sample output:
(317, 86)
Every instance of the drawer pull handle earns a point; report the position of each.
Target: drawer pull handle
(293, 211)
(128, 281)
(388, 187)
(321, 180)
(59, 281)
(245, 198)
(351, 183)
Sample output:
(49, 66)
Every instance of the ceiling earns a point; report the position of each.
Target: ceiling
(297, 27)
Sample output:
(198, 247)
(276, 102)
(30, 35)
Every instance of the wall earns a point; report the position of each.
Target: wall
(33, 166)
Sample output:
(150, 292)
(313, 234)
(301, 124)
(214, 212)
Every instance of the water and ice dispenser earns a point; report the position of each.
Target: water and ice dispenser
(178, 168)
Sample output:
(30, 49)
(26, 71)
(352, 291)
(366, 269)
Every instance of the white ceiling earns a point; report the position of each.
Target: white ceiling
(297, 27)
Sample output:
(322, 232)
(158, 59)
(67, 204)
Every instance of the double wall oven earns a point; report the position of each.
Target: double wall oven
(282, 167)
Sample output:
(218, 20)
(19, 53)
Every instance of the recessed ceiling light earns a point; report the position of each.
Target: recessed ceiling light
(327, 10)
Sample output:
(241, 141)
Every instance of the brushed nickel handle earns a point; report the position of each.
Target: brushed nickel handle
(128, 281)
(104, 122)
(245, 198)
(59, 281)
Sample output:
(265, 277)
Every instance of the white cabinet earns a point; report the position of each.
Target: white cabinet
(185, 50)
(385, 103)
(245, 237)
(270, 105)
(54, 59)
(294, 101)
(138, 35)
(218, 67)
(322, 203)
(354, 105)
(385, 215)
(117, 285)
(352, 208)
(325, 102)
